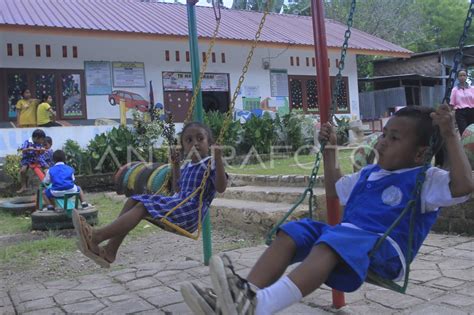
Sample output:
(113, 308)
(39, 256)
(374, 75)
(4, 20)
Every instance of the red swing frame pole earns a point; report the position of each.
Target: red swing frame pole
(324, 100)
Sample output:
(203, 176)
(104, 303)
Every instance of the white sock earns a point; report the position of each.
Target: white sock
(277, 297)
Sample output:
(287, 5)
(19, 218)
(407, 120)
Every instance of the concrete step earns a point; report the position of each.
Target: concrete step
(269, 193)
(257, 217)
(274, 180)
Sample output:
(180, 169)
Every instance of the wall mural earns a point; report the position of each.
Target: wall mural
(257, 106)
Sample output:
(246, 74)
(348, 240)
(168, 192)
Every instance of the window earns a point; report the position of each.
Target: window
(167, 55)
(64, 51)
(38, 50)
(48, 51)
(21, 52)
(177, 55)
(213, 56)
(74, 51)
(9, 49)
(223, 57)
(187, 56)
(203, 57)
(297, 61)
(292, 63)
(307, 61)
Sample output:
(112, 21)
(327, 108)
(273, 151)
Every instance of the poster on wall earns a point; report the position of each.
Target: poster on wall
(98, 77)
(128, 74)
(279, 82)
(182, 81)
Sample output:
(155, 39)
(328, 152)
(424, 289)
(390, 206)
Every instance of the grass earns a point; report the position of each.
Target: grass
(299, 165)
(27, 252)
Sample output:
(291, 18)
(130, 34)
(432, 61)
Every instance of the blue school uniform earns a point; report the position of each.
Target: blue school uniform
(46, 159)
(61, 178)
(29, 157)
(186, 216)
(371, 208)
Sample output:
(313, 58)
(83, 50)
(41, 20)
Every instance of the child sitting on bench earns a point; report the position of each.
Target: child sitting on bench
(61, 178)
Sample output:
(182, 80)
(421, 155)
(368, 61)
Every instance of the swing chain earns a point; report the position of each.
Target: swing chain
(457, 59)
(347, 35)
(227, 115)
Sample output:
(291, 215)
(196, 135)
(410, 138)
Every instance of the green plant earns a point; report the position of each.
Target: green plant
(77, 158)
(147, 130)
(342, 131)
(257, 133)
(215, 120)
(11, 167)
(110, 150)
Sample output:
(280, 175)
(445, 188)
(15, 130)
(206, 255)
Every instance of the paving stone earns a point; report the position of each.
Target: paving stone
(179, 308)
(127, 307)
(109, 291)
(121, 272)
(146, 273)
(173, 276)
(157, 291)
(46, 311)
(458, 300)
(4, 301)
(445, 283)
(430, 309)
(35, 305)
(423, 292)
(165, 299)
(426, 249)
(151, 266)
(364, 308)
(468, 290)
(95, 284)
(456, 263)
(35, 294)
(7, 309)
(119, 298)
(87, 307)
(418, 264)
(466, 246)
(393, 299)
(142, 283)
(63, 284)
(424, 275)
(455, 252)
(301, 308)
(183, 265)
(434, 257)
(125, 277)
(73, 296)
(30, 286)
(466, 275)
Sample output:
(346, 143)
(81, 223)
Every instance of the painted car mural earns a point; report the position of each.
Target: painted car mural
(132, 100)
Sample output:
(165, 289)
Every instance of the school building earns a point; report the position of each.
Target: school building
(91, 54)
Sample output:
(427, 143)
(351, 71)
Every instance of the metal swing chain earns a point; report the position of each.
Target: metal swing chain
(459, 55)
(314, 172)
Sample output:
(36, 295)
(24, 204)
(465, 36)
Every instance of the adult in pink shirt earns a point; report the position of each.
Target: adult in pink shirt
(462, 99)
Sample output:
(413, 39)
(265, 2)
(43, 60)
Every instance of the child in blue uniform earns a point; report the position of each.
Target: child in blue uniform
(31, 151)
(61, 178)
(196, 140)
(373, 198)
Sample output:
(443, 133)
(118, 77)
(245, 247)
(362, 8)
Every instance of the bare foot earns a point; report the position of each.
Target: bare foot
(110, 257)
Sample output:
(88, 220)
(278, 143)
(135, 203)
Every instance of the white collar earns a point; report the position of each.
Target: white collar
(59, 163)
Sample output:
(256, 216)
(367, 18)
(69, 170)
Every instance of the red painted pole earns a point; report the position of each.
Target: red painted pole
(324, 100)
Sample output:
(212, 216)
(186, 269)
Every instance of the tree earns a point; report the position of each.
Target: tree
(257, 5)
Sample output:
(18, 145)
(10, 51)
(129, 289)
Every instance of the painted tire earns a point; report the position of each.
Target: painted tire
(133, 175)
(19, 205)
(119, 186)
(49, 220)
(151, 177)
(160, 178)
(142, 178)
(128, 192)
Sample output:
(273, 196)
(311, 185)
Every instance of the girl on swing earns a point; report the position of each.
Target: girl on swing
(196, 140)
(338, 255)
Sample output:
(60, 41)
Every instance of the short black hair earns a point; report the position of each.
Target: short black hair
(59, 156)
(38, 134)
(22, 92)
(210, 138)
(44, 97)
(49, 140)
(425, 130)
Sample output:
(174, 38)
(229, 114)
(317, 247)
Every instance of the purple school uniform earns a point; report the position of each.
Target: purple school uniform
(29, 157)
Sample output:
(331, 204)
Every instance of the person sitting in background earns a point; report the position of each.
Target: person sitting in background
(61, 178)
(45, 112)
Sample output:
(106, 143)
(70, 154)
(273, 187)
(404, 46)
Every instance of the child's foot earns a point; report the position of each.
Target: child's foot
(86, 246)
(235, 294)
(200, 301)
(49, 208)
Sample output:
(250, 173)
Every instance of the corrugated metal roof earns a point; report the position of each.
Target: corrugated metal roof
(133, 16)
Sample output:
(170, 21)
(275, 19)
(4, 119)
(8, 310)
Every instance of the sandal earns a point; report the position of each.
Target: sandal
(84, 233)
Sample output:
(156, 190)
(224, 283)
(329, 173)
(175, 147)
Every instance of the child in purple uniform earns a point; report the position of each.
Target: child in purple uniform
(31, 151)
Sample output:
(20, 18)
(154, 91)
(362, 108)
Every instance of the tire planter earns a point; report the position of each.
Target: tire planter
(120, 175)
(130, 177)
(50, 220)
(158, 180)
(19, 205)
(142, 178)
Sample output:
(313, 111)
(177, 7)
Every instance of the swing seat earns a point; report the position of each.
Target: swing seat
(375, 279)
(66, 202)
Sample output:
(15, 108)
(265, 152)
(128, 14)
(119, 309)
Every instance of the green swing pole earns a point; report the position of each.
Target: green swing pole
(324, 96)
(198, 114)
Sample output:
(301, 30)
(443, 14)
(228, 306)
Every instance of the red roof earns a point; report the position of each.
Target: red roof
(133, 16)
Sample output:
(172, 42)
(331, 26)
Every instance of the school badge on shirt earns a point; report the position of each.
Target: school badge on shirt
(392, 196)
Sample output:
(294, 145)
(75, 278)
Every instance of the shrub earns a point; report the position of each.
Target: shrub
(11, 167)
(258, 132)
(77, 158)
(215, 120)
(342, 131)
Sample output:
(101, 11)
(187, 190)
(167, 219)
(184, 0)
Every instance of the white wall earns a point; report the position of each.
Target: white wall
(152, 53)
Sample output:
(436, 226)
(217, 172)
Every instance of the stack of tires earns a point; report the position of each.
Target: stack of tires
(138, 178)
